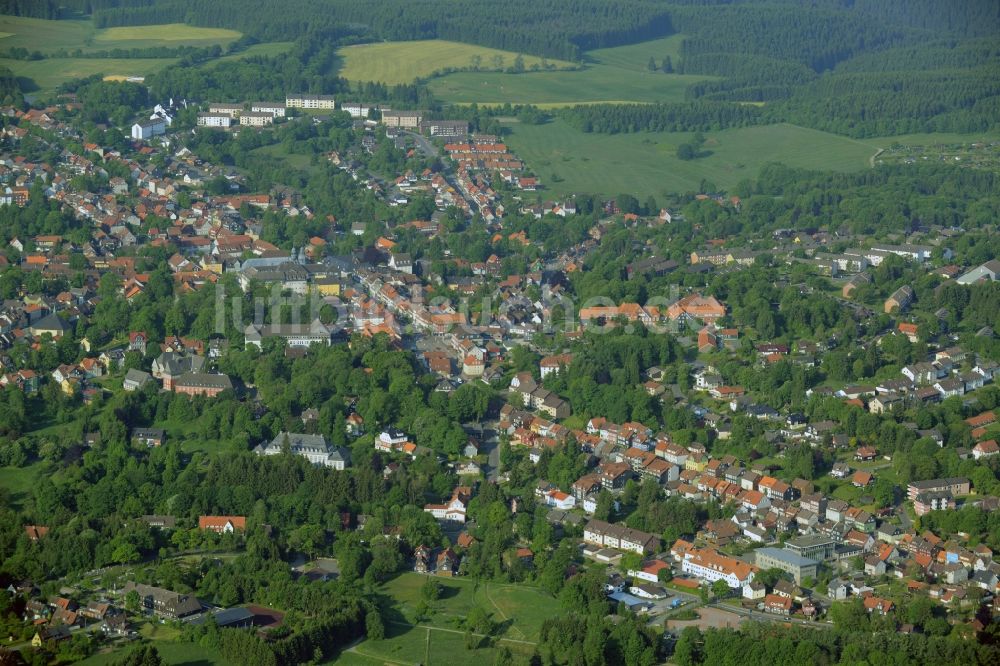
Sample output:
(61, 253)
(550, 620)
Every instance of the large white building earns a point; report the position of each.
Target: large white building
(295, 335)
(214, 119)
(356, 109)
(147, 129)
(313, 448)
(303, 101)
(710, 566)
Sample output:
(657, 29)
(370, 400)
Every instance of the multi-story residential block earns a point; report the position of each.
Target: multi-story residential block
(305, 101)
(601, 533)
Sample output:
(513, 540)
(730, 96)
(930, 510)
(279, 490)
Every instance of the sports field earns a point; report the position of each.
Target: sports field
(619, 74)
(568, 160)
(402, 62)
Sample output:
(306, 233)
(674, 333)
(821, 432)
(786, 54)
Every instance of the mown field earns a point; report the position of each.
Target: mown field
(439, 639)
(619, 74)
(166, 34)
(568, 160)
(402, 62)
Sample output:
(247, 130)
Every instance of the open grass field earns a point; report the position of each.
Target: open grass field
(402, 62)
(174, 654)
(568, 160)
(43, 35)
(50, 36)
(18, 481)
(520, 609)
(165, 34)
(617, 74)
(47, 36)
(267, 49)
(49, 74)
(425, 645)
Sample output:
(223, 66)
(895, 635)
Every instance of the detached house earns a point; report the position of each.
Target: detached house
(222, 524)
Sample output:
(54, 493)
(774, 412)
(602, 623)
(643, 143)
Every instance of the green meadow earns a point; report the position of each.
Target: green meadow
(619, 74)
(568, 160)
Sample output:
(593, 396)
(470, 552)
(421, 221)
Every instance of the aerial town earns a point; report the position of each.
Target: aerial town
(333, 379)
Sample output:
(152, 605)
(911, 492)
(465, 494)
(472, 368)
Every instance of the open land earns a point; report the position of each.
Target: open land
(402, 62)
(619, 74)
(569, 160)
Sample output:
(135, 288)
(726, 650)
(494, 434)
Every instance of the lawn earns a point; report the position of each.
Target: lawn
(402, 62)
(617, 74)
(18, 481)
(173, 654)
(520, 608)
(423, 645)
(49, 74)
(568, 160)
(280, 151)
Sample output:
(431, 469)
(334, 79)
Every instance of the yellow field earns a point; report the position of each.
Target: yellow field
(402, 62)
(166, 34)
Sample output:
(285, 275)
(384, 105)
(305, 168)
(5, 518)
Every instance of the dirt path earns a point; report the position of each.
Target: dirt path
(456, 631)
(503, 616)
(871, 160)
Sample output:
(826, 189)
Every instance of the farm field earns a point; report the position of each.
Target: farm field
(165, 34)
(48, 36)
(43, 35)
(51, 73)
(402, 62)
(617, 74)
(568, 160)
(51, 36)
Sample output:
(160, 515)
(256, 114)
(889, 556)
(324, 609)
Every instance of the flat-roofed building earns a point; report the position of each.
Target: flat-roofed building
(231, 110)
(306, 101)
(817, 546)
(788, 561)
(256, 119)
(276, 109)
(214, 120)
